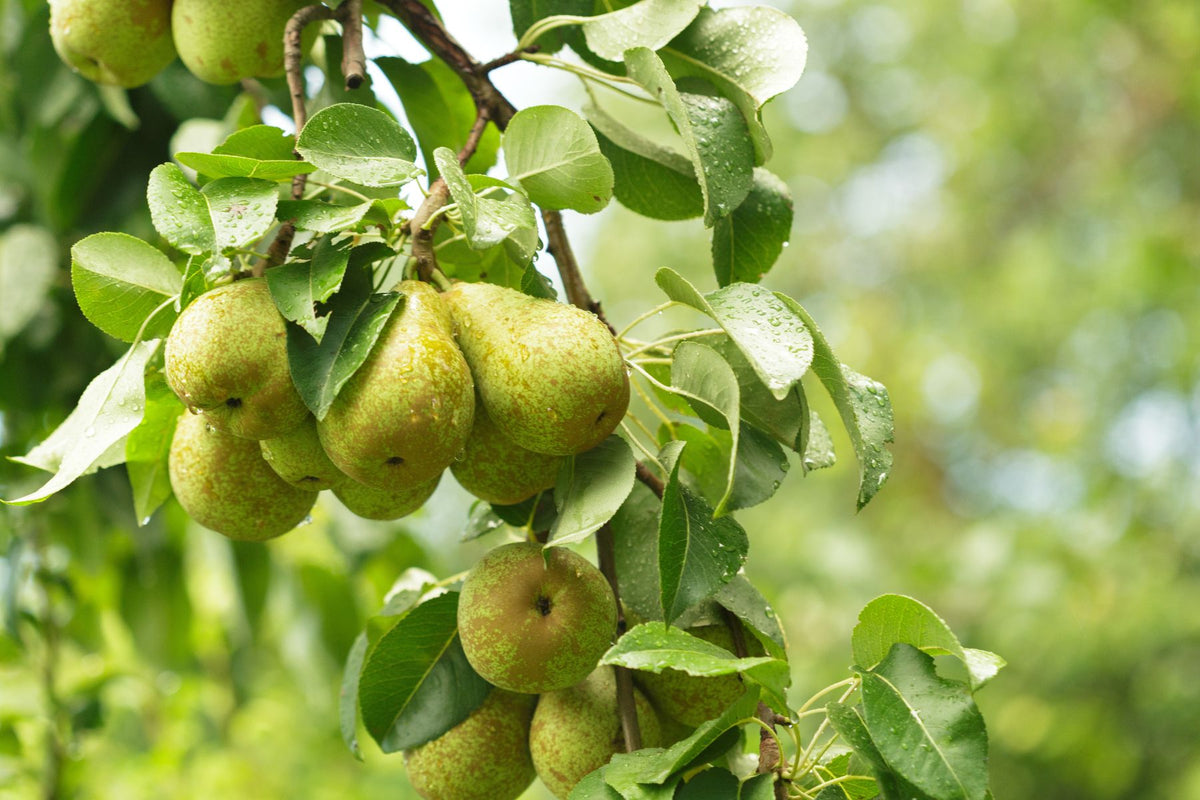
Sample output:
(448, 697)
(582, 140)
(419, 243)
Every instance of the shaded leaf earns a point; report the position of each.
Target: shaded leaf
(591, 487)
(28, 263)
(299, 286)
(348, 694)
(147, 448)
(747, 243)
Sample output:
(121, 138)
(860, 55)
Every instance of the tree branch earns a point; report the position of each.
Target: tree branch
(354, 60)
(770, 759)
(646, 476)
(626, 704)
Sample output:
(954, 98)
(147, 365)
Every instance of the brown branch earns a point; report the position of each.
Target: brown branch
(354, 60)
(626, 705)
(509, 58)
(568, 267)
(770, 759)
(646, 476)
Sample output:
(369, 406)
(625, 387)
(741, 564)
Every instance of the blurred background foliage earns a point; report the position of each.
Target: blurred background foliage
(997, 215)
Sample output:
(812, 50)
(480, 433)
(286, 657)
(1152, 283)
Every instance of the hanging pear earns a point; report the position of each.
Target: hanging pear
(495, 468)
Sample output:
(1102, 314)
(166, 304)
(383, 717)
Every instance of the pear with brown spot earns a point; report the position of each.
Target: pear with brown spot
(496, 469)
(381, 504)
(298, 458)
(549, 374)
(223, 42)
(114, 42)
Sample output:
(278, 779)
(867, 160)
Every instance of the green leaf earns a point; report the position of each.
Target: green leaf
(348, 696)
(359, 144)
(110, 407)
(260, 142)
(28, 263)
(147, 448)
(711, 784)
(488, 222)
(649, 179)
(849, 724)
(864, 406)
(242, 209)
(215, 165)
(784, 420)
(758, 470)
(592, 786)
(650, 24)
(758, 787)
(440, 110)
(179, 211)
(298, 286)
(894, 618)
(416, 683)
(495, 264)
(120, 281)
(713, 132)
(526, 12)
(750, 53)
(818, 453)
(356, 318)
(320, 216)
(701, 375)
(553, 154)
(697, 554)
(481, 520)
(747, 243)
(591, 487)
(744, 601)
(927, 729)
(635, 528)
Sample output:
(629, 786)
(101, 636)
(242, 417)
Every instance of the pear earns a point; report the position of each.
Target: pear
(407, 411)
(381, 504)
(495, 468)
(534, 621)
(577, 730)
(693, 699)
(223, 42)
(484, 757)
(297, 457)
(226, 357)
(224, 484)
(117, 42)
(549, 374)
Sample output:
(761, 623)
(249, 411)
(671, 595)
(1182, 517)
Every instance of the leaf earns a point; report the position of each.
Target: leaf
(147, 448)
(526, 12)
(744, 601)
(711, 784)
(927, 729)
(701, 375)
(650, 24)
(784, 420)
(488, 222)
(758, 470)
(553, 154)
(591, 487)
(697, 554)
(765, 329)
(747, 243)
(359, 144)
(758, 787)
(119, 281)
(320, 216)
(864, 406)
(849, 724)
(215, 165)
(713, 132)
(818, 454)
(635, 528)
(28, 263)
(111, 406)
(299, 286)
(416, 683)
(348, 696)
(241, 209)
(894, 618)
(356, 318)
(440, 110)
(179, 211)
(592, 785)
(260, 142)
(649, 179)
(750, 53)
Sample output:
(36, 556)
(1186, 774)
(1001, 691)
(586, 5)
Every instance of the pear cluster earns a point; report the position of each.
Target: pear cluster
(493, 384)
(128, 42)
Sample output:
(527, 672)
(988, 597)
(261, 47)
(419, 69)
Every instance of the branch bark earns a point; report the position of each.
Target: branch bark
(354, 60)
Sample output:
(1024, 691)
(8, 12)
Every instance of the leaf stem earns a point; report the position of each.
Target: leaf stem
(643, 317)
(679, 337)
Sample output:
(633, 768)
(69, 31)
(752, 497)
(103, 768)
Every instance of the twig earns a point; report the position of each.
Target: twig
(770, 757)
(354, 60)
(509, 58)
(568, 267)
(626, 705)
(646, 476)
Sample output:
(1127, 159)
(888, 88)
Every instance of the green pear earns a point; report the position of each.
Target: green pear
(549, 374)
(693, 699)
(223, 42)
(224, 484)
(484, 757)
(495, 468)
(578, 729)
(382, 504)
(534, 621)
(297, 457)
(226, 357)
(117, 42)
(407, 411)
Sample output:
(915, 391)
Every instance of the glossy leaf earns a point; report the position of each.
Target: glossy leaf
(554, 156)
(744, 601)
(649, 24)
(747, 243)
(147, 448)
(849, 723)
(488, 222)
(215, 165)
(179, 211)
(321, 217)
(635, 538)
(702, 376)
(242, 209)
(648, 178)
(711, 784)
(299, 286)
(526, 12)
(359, 144)
(120, 281)
(591, 487)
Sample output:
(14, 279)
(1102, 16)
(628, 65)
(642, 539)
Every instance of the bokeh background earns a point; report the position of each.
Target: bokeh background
(997, 215)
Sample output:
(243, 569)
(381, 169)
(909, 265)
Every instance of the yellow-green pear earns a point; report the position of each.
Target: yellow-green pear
(224, 484)
(116, 42)
(693, 699)
(484, 757)
(534, 621)
(224, 42)
(549, 374)
(495, 468)
(407, 411)
(577, 730)
(382, 504)
(226, 357)
(297, 457)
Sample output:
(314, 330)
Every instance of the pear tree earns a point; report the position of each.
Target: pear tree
(355, 304)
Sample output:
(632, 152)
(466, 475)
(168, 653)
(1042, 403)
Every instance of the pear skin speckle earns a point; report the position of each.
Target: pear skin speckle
(223, 42)
(495, 468)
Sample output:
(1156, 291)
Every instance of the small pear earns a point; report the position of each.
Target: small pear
(549, 374)
(577, 730)
(116, 42)
(495, 468)
(223, 42)
(382, 504)
(484, 757)
(224, 484)
(407, 411)
(297, 457)
(226, 357)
